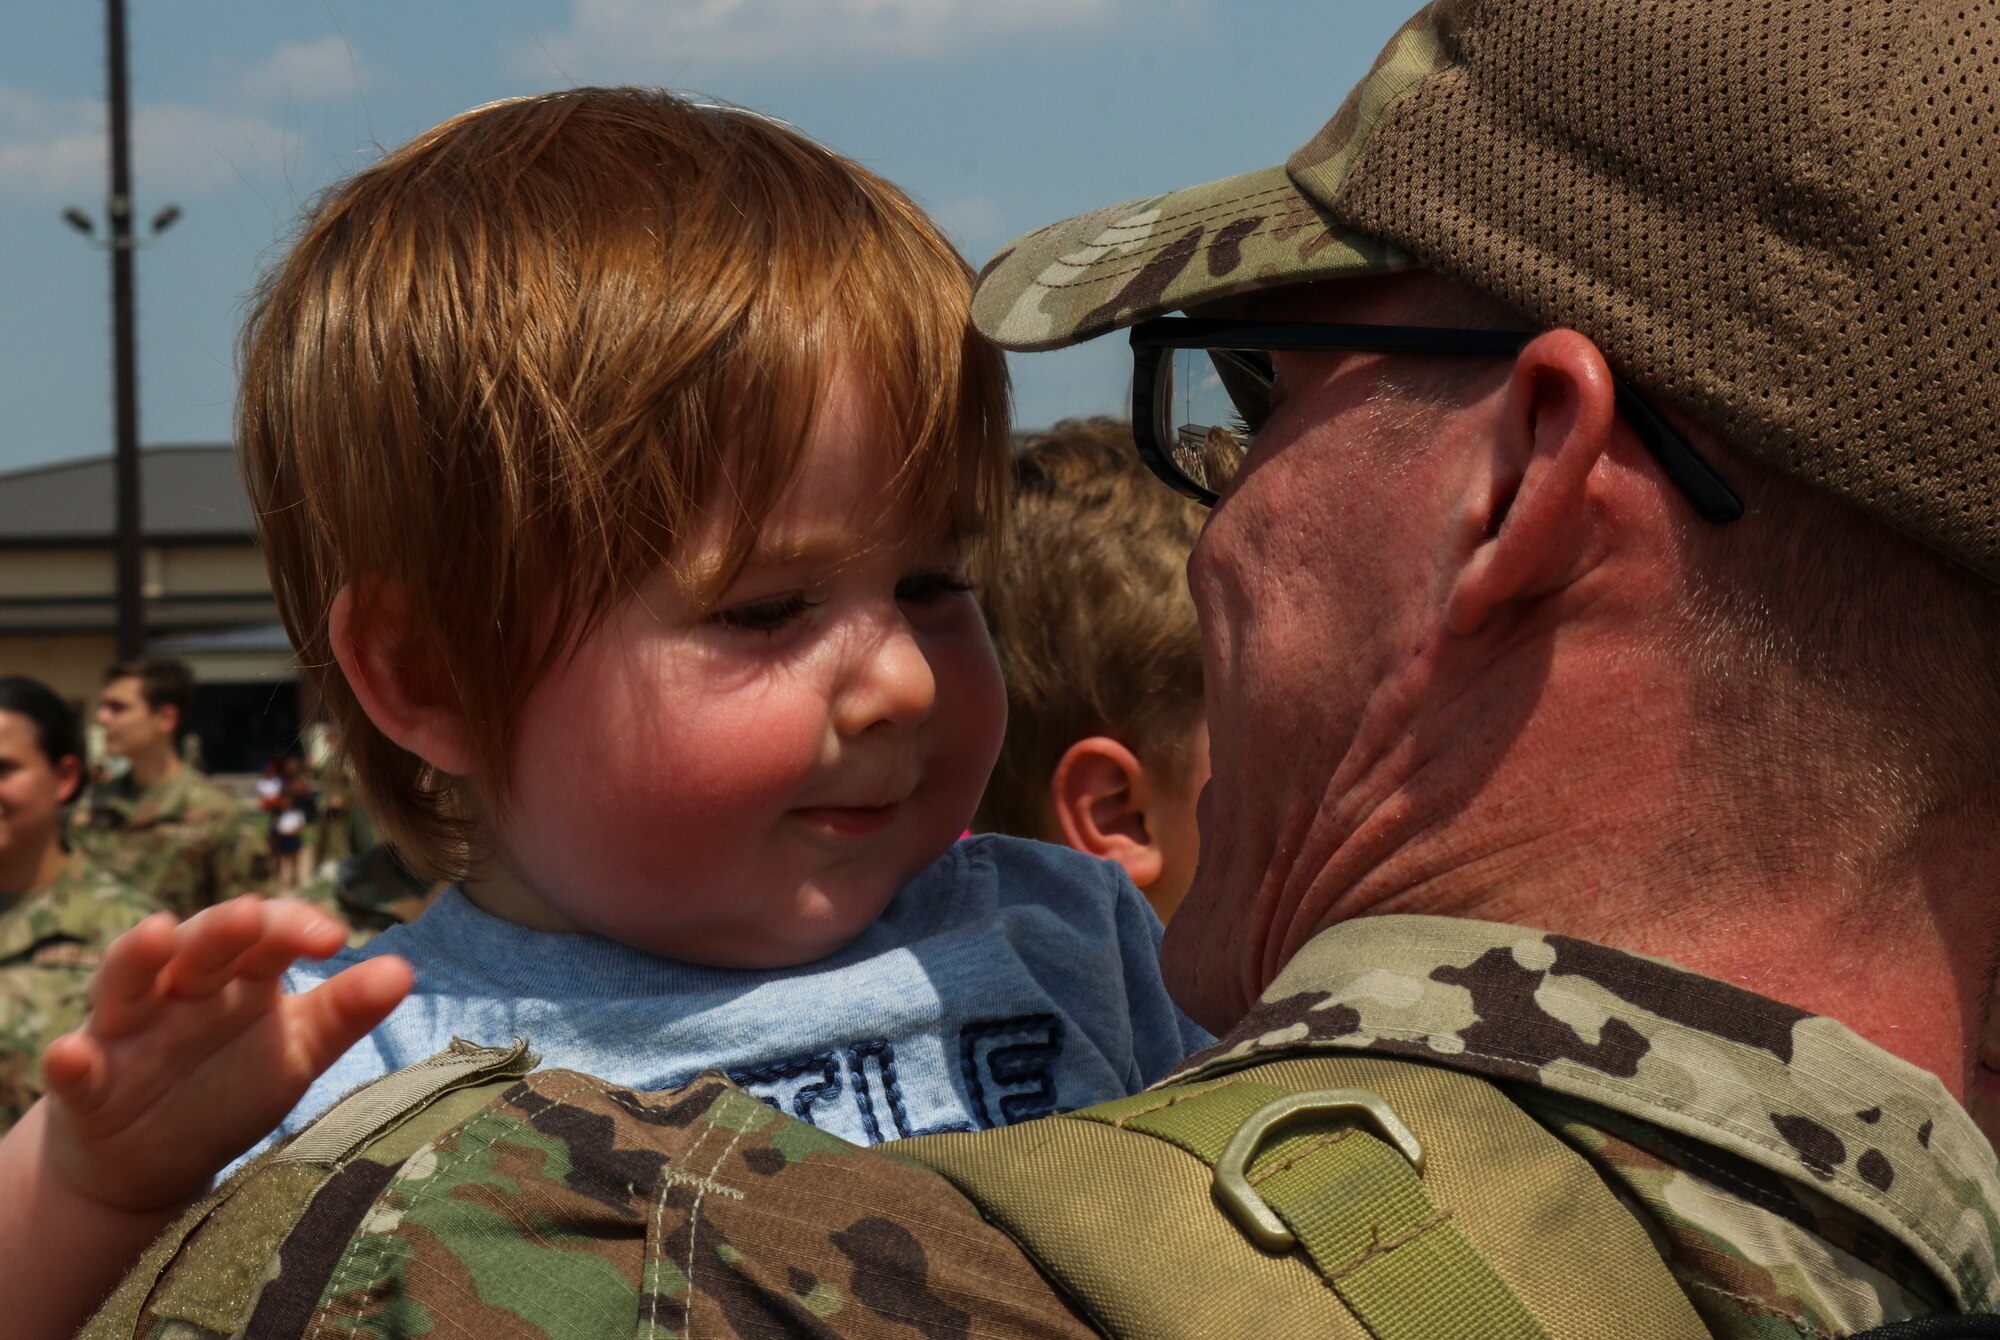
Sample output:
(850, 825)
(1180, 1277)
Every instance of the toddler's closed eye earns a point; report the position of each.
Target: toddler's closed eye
(928, 588)
(766, 615)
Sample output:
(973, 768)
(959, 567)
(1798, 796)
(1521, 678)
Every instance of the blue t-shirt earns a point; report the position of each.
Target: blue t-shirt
(1010, 980)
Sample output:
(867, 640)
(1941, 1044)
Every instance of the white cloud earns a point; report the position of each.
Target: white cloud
(624, 35)
(49, 147)
(306, 72)
(53, 149)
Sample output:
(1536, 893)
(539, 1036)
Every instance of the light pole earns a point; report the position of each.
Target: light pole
(124, 337)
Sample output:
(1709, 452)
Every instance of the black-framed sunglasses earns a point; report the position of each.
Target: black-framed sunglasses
(1201, 389)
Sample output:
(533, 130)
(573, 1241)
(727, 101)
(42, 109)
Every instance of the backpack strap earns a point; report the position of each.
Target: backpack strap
(1970, 1326)
(1339, 1195)
(1349, 1196)
(208, 1269)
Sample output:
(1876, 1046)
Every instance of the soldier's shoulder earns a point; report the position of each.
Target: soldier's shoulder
(201, 797)
(373, 891)
(85, 908)
(693, 1202)
(1721, 1111)
(100, 898)
(108, 802)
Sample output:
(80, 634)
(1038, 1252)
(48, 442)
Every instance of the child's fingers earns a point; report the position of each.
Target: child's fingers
(292, 929)
(122, 991)
(73, 1069)
(342, 1010)
(208, 945)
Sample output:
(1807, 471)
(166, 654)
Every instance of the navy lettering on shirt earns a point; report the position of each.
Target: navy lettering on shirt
(877, 1091)
(797, 1085)
(1008, 1068)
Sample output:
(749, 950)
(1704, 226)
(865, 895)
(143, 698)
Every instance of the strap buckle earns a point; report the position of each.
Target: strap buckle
(1232, 1185)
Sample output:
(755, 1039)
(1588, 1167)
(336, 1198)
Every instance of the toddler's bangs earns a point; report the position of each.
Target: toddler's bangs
(858, 283)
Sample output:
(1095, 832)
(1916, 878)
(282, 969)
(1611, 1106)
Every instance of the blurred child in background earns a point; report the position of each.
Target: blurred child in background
(290, 820)
(1085, 592)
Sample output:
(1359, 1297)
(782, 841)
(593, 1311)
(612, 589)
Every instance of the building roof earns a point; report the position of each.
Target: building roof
(190, 492)
(264, 637)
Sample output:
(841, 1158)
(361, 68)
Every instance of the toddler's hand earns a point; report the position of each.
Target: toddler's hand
(193, 1051)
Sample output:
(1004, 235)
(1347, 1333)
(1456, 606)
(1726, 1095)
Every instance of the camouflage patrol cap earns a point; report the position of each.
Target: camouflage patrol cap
(1777, 216)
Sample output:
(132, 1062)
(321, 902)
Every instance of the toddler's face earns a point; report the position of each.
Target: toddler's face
(750, 788)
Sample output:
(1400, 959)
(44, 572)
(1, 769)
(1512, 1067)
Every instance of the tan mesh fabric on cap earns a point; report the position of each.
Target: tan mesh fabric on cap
(1778, 216)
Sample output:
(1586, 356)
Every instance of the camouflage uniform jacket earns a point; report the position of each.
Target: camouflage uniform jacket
(185, 843)
(50, 942)
(1797, 1180)
(371, 891)
(334, 835)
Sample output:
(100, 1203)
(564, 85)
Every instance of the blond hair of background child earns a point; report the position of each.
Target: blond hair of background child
(618, 460)
(1086, 595)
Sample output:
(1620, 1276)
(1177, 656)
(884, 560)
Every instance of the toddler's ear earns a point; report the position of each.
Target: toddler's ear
(1100, 793)
(396, 676)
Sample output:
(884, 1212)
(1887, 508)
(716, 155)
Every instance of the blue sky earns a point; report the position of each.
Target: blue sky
(997, 115)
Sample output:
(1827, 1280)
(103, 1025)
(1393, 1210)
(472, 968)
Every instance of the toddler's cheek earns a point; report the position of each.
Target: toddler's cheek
(972, 710)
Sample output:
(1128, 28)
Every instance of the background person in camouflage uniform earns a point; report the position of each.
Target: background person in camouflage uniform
(355, 874)
(162, 828)
(371, 891)
(57, 910)
(338, 832)
(1482, 656)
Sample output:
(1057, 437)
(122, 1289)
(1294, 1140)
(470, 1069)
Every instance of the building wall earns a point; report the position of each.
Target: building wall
(207, 570)
(194, 570)
(60, 572)
(186, 589)
(71, 663)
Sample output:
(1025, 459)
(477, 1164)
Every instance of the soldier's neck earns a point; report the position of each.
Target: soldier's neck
(21, 873)
(1890, 927)
(1923, 1000)
(1903, 953)
(149, 770)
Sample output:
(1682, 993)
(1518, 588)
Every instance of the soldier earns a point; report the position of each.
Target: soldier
(355, 874)
(162, 828)
(337, 835)
(57, 909)
(1604, 826)
(371, 891)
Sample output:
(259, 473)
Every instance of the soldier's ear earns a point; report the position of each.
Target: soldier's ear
(398, 676)
(1556, 424)
(69, 778)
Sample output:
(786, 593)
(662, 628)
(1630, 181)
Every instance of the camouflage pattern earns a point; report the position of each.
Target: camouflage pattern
(334, 835)
(50, 944)
(1792, 1172)
(568, 1207)
(1984, 1100)
(184, 843)
(1796, 1180)
(1112, 267)
(372, 891)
